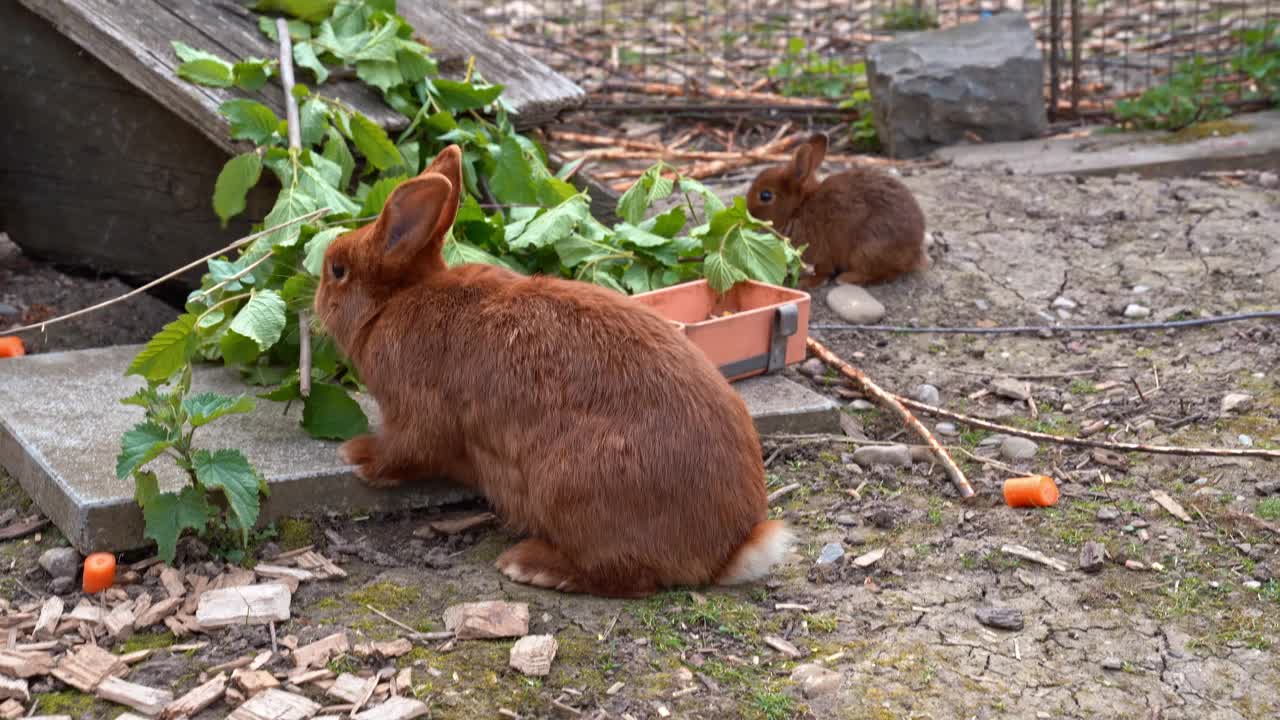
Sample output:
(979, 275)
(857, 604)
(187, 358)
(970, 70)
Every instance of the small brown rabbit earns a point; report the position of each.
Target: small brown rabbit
(862, 223)
(593, 428)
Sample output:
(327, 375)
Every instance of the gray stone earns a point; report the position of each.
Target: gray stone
(7, 310)
(1267, 487)
(62, 585)
(1016, 448)
(813, 367)
(1140, 153)
(1093, 556)
(946, 428)
(1134, 311)
(926, 394)
(61, 422)
(1011, 389)
(929, 89)
(1003, 618)
(846, 519)
(892, 455)
(860, 536)
(1235, 402)
(861, 405)
(1252, 585)
(1063, 302)
(854, 305)
(1112, 663)
(815, 680)
(1107, 514)
(830, 554)
(60, 562)
(1269, 180)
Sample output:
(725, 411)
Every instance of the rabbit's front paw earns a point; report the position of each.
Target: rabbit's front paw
(362, 453)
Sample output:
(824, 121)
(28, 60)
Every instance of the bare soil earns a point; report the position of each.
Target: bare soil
(1192, 634)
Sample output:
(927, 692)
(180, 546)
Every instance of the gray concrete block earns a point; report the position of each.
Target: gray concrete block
(61, 422)
(1145, 154)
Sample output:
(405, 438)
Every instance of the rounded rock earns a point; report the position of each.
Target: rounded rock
(926, 394)
(1135, 311)
(61, 562)
(947, 429)
(892, 455)
(813, 367)
(1016, 448)
(855, 305)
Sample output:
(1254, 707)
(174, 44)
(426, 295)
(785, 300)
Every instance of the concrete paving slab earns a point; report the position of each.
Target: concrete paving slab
(61, 421)
(1141, 153)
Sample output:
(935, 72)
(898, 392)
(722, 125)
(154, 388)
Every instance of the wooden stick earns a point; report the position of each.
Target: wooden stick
(295, 146)
(1082, 442)
(669, 90)
(892, 403)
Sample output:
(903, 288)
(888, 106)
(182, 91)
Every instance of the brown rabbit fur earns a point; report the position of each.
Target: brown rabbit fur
(863, 224)
(593, 427)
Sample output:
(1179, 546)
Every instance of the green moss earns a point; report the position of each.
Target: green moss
(1269, 509)
(384, 595)
(68, 702)
(1200, 131)
(148, 641)
(822, 623)
(296, 533)
(771, 705)
(328, 603)
(1082, 387)
(12, 495)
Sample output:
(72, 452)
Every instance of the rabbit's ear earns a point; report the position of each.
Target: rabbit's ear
(809, 157)
(419, 213)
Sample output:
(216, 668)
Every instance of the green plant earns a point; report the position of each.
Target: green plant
(1269, 509)
(804, 73)
(1196, 90)
(908, 17)
(222, 488)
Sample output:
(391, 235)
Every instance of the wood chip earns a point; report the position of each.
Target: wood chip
(302, 677)
(261, 660)
(25, 664)
(50, 613)
(352, 688)
(389, 649)
(321, 651)
(233, 578)
(397, 708)
(236, 664)
(791, 606)
(146, 700)
(275, 705)
(1034, 556)
(156, 614)
(12, 710)
(173, 583)
(253, 682)
(198, 698)
(244, 605)
(484, 620)
(1163, 500)
(86, 611)
(87, 666)
(869, 559)
(460, 524)
(23, 527)
(782, 646)
(14, 688)
(119, 622)
(323, 567)
(136, 656)
(280, 571)
(403, 681)
(533, 654)
(199, 584)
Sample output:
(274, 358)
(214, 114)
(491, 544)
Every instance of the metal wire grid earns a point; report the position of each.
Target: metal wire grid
(1097, 51)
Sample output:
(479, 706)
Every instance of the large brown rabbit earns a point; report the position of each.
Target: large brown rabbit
(863, 224)
(592, 426)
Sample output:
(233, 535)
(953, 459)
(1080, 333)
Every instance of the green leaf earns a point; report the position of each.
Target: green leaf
(458, 97)
(290, 205)
(230, 472)
(461, 253)
(315, 185)
(204, 408)
(251, 75)
(262, 319)
(304, 56)
(312, 11)
(166, 515)
(553, 225)
(720, 274)
(378, 194)
(711, 203)
(331, 414)
(146, 487)
(238, 176)
(250, 120)
(629, 233)
(373, 142)
(139, 446)
(638, 198)
(759, 255)
(167, 352)
(313, 119)
(287, 392)
(213, 73)
(667, 224)
(299, 30)
(636, 278)
(382, 74)
(314, 263)
(237, 349)
(335, 151)
(415, 63)
(512, 180)
(575, 250)
(186, 53)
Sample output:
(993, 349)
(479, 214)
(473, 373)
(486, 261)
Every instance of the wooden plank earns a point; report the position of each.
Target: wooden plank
(87, 666)
(50, 614)
(134, 39)
(397, 708)
(247, 605)
(275, 705)
(198, 698)
(146, 700)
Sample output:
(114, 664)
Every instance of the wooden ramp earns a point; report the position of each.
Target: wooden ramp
(133, 38)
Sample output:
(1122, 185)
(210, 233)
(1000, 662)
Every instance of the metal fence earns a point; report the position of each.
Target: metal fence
(1097, 51)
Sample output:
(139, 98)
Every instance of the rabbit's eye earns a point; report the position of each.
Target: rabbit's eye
(766, 196)
(339, 271)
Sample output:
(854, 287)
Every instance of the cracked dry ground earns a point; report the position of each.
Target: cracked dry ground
(1196, 638)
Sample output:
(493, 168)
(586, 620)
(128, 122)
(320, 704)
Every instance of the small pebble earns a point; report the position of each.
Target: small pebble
(855, 305)
(60, 562)
(1141, 289)
(1253, 584)
(860, 536)
(846, 519)
(1135, 311)
(1064, 303)
(861, 405)
(1112, 663)
(1016, 448)
(892, 455)
(813, 367)
(7, 310)
(1107, 514)
(946, 428)
(1093, 556)
(926, 394)
(1003, 618)
(1235, 402)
